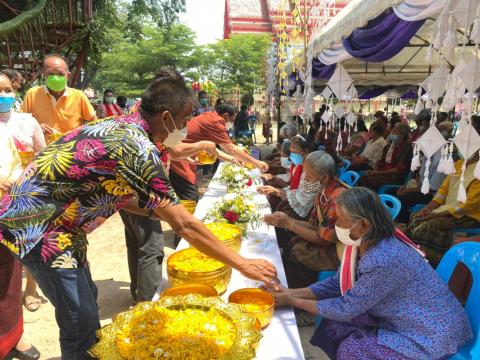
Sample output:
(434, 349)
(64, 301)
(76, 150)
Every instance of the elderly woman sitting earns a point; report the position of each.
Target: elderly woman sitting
(385, 302)
(432, 226)
(312, 244)
(395, 162)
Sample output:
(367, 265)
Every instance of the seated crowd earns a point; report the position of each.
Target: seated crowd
(323, 224)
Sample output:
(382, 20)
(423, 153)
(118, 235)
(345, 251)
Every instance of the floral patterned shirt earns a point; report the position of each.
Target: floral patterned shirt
(79, 181)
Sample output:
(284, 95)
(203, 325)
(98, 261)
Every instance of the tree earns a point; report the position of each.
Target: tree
(130, 66)
(237, 61)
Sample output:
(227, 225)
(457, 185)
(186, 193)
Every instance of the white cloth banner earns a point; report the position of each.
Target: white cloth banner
(414, 10)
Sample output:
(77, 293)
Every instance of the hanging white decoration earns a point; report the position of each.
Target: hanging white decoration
(340, 82)
(465, 12)
(468, 143)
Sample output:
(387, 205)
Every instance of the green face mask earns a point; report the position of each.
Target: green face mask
(204, 102)
(109, 99)
(56, 82)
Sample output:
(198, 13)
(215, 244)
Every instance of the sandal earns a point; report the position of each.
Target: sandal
(32, 303)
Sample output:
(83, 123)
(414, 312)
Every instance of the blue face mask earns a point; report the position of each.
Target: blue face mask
(394, 138)
(6, 102)
(297, 159)
(285, 162)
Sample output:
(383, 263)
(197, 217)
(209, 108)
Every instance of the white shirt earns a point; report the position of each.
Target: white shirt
(373, 150)
(25, 129)
(10, 163)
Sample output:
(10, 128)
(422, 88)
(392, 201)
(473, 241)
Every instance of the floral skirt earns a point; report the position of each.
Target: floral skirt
(356, 340)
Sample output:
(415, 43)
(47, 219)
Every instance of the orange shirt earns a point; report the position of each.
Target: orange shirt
(208, 126)
(70, 111)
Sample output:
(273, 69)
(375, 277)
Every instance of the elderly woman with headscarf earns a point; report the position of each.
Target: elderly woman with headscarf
(395, 163)
(385, 302)
(311, 244)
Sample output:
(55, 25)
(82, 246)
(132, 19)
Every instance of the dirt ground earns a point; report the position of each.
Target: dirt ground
(108, 259)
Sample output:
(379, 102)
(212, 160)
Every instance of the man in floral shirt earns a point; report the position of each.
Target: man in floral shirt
(79, 181)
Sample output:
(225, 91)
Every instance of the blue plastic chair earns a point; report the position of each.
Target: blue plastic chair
(350, 178)
(387, 188)
(467, 253)
(392, 204)
(346, 165)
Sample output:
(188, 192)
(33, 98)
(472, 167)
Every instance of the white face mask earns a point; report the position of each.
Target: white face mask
(176, 136)
(285, 162)
(343, 236)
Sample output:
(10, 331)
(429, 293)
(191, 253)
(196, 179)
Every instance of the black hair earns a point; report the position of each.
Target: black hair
(301, 143)
(121, 98)
(225, 108)
(108, 91)
(244, 107)
(166, 94)
(167, 72)
(361, 126)
(219, 101)
(202, 92)
(475, 119)
(11, 73)
(378, 129)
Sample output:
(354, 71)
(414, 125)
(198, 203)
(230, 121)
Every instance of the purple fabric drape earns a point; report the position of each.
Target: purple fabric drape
(320, 71)
(382, 38)
(371, 93)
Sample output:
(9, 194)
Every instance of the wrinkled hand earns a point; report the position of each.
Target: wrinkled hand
(282, 295)
(267, 190)
(262, 166)
(258, 269)
(5, 184)
(267, 177)
(48, 129)
(277, 219)
(208, 146)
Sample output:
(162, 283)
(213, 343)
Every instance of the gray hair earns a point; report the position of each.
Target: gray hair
(288, 131)
(363, 203)
(322, 163)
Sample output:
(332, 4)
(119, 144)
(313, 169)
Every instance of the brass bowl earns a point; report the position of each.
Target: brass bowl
(188, 289)
(257, 298)
(26, 157)
(217, 278)
(53, 137)
(247, 335)
(190, 205)
(229, 234)
(204, 158)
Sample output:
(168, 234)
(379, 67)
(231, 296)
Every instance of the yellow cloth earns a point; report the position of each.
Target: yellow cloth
(447, 194)
(10, 163)
(71, 110)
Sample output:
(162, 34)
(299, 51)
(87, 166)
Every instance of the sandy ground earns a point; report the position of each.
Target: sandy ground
(107, 256)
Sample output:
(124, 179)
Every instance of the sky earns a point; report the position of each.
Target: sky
(205, 18)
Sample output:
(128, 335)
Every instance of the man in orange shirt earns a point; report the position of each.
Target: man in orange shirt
(57, 107)
(209, 126)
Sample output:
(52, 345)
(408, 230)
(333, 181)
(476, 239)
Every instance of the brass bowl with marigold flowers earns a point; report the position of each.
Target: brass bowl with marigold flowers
(188, 289)
(190, 266)
(179, 328)
(229, 234)
(255, 302)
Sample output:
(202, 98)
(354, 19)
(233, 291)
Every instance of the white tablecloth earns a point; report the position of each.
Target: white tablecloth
(280, 339)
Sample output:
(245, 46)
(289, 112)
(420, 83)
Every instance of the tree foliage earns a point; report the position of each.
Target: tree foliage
(237, 61)
(130, 66)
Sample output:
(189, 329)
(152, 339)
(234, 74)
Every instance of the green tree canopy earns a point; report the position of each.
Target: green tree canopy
(237, 61)
(130, 66)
